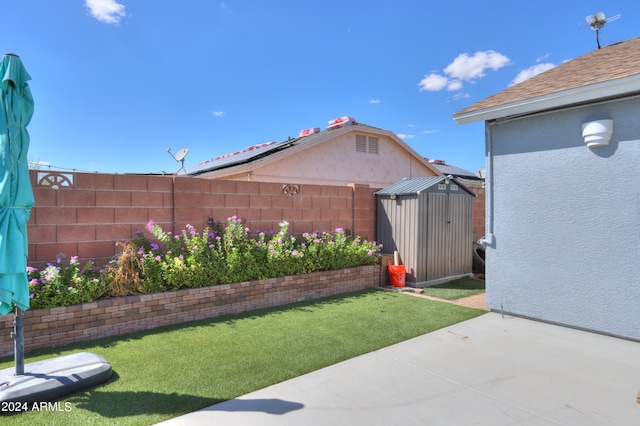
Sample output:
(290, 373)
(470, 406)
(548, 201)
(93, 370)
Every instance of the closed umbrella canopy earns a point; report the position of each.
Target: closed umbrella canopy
(16, 194)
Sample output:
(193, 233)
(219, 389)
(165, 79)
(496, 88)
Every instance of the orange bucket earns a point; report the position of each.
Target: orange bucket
(397, 275)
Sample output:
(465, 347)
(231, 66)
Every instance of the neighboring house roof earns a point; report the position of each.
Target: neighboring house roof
(274, 151)
(411, 186)
(252, 153)
(608, 72)
(454, 171)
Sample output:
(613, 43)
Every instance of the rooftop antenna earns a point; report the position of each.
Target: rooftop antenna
(597, 21)
(179, 157)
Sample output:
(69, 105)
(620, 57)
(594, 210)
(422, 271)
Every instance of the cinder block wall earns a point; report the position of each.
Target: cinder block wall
(85, 215)
(478, 208)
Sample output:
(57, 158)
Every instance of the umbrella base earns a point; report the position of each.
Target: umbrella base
(54, 378)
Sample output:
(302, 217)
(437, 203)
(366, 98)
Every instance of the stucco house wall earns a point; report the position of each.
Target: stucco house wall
(336, 162)
(566, 219)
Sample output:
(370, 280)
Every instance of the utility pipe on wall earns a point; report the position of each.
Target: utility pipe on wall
(488, 239)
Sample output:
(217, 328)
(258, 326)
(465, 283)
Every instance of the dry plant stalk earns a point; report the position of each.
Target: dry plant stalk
(124, 276)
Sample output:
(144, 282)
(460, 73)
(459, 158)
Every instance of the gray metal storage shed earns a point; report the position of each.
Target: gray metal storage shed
(428, 220)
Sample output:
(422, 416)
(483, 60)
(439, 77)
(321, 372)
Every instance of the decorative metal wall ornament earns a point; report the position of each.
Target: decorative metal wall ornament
(291, 189)
(55, 180)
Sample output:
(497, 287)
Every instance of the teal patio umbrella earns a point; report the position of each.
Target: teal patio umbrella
(52, 378)
(16, 195)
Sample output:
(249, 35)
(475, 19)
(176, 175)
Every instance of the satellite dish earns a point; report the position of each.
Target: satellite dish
(597, 21)
(179, 157)
(181, 154)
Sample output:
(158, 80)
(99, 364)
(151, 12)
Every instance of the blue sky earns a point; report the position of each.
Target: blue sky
(117, 82)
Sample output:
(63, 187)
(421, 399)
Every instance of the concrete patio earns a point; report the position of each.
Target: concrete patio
(489, 371)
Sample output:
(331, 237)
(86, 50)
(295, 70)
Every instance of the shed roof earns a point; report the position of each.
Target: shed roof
(411, 186)
(610, 71)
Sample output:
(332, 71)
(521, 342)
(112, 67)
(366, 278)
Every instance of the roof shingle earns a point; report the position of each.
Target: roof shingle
(602, 65)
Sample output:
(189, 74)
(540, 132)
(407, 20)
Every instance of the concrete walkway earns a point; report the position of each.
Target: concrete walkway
(486, 371)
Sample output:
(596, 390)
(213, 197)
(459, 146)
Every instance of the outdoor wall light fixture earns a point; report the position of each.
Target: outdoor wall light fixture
(597, 133)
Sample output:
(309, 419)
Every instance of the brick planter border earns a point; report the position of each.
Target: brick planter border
(47, 328)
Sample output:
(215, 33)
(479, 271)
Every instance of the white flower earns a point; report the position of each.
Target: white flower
(284, 223)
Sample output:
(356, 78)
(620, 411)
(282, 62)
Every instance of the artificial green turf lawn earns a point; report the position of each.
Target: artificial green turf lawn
(174, 370)
(456, 289)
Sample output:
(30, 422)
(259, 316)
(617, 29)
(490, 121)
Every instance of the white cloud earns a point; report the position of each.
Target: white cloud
(428, 132)
(459, 96)
(464, 68)
(107, 11)
(374, 101)
(467, 68)
(405, 136)
(531, 72)
(454, 85)
(217, 113)
(433, 83)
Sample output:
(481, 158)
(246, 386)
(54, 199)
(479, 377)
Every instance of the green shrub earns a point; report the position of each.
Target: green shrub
(220, 254)
(64, 283)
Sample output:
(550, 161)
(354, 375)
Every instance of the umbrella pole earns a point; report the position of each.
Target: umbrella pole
(18, 341)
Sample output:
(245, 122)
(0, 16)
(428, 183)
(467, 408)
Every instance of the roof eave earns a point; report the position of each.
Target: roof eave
(607, 89)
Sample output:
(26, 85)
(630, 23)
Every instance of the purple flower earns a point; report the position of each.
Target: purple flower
(158, 257)
(31, 296)
(34, 281)
(149, 225)
(339, 230)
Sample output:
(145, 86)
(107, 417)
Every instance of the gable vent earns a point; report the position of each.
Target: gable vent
(373, 145)
(367, 144)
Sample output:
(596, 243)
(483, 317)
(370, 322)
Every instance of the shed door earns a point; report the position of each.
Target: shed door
(449, 235)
